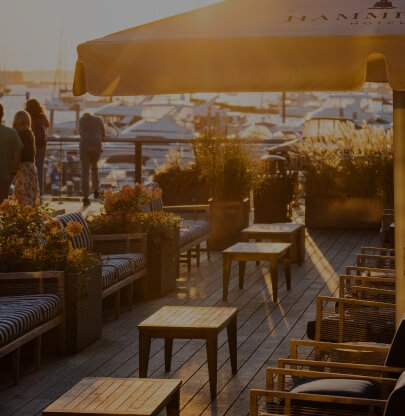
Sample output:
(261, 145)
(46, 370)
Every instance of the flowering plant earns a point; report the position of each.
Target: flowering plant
(129, 199)
(32, 240)
(123, 213)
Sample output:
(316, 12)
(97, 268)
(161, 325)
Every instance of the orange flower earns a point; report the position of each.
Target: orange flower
(73, 228)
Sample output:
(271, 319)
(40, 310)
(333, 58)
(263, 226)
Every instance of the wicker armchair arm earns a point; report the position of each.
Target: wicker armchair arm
(326, 347)
(338, 366)
(280, 402)
(374, 271)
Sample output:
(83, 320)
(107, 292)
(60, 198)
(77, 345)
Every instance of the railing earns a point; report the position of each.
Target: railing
(140, 155)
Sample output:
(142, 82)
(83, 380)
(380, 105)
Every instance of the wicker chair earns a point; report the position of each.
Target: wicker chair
(348, 319)
(381, 289)
(331, 394)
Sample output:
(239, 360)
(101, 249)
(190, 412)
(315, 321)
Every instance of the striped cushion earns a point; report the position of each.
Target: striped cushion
(157, 204)
(83, 240)
(190, 230)
(117, 267)
(21, 314)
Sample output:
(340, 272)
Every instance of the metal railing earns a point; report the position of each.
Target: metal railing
(133, 158)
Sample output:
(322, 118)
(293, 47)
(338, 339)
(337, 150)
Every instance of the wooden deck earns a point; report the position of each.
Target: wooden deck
(264, 332)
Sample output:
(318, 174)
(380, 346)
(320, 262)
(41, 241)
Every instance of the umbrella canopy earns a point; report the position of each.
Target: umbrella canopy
(251, 45)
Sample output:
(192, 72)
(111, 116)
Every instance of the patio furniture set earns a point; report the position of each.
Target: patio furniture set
(354, 362)
(287, 243)
(32, 305)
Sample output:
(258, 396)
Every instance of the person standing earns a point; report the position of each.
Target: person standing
(26, 189)
(10, 146)
(39, 126)
(92, 134)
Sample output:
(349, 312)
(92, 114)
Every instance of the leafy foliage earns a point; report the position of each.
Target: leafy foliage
(32, 240)
(350, 163)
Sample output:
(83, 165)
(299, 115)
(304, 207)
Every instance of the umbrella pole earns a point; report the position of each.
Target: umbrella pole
(399, 199)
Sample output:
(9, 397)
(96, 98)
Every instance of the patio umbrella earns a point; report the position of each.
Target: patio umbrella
(263, 45)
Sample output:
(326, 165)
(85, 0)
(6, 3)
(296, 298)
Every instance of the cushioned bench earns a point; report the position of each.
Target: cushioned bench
(193, 232)
(124, 258)
(30, 305)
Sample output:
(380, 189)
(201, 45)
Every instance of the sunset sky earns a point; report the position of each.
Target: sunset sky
(30, 30)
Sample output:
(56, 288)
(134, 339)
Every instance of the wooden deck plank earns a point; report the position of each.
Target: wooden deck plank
(264, 331)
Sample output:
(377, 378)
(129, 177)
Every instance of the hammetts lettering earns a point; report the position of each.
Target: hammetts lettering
(374, 16)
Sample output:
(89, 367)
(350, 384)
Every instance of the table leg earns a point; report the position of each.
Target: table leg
(274, 276)
(212, 341)
(287, 268)
(242, 267)
(301, 244)
(144, 350)
(173, 407)
(258, 240)
(168, 353)
(232, 341)
(226, 275)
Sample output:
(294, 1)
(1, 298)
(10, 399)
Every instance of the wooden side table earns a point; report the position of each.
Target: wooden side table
(118, 396)
(189, 322)
(243, 252)
(286, 232)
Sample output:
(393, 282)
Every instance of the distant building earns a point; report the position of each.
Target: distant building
(11, 77)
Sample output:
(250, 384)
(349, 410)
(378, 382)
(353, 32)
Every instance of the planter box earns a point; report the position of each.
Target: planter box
(83, 309)
(163, 266)
(353, 213)
(172, 196)
(227, 220)
(272, 199)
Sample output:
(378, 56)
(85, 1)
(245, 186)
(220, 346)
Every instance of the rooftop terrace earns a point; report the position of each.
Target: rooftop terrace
(264, 331)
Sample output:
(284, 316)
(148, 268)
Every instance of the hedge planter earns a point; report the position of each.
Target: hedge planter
(163, 265)
(351, 213)
(83, 309)
(227, 220)
(172, 196)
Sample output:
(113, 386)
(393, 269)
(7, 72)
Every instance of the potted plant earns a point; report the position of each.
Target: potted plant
(348, 177)
(123, 212)
(32, 240)
(182, 183)
(231, 174)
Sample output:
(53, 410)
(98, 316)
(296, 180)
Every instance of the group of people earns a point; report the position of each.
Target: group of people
(23, 151)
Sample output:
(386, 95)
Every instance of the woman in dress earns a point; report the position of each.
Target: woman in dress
(39, 125)
(26, 190)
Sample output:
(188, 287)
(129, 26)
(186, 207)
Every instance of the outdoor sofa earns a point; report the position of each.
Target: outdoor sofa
(124, 259)
(31, 304)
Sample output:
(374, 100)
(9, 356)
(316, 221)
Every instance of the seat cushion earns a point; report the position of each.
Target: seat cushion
(83, 240)
(21, 314)
(191, 230)
(337, 387)
(117, 267)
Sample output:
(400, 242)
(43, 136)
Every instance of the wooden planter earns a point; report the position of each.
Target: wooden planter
(83, 309)
(163, 265)
(227, 220)
(172, 196)
(351, 213)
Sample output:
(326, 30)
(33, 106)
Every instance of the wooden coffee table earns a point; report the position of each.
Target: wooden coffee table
(118, 396)
(286, 232)
(243, 252)
(194, 322)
